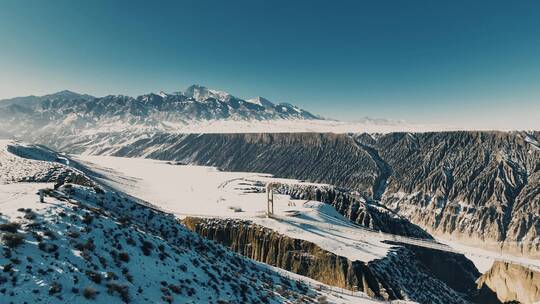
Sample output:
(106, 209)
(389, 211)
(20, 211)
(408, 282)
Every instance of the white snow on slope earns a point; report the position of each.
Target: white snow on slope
(54, 276)
(206, 192)
(531, 140)
(256, 100)
(20, 195)
(201, 94)
(13, 168)
(146, 271)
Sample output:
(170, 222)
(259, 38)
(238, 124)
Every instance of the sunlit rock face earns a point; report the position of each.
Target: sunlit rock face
(419, 274)
(478, 186)
(511, 282)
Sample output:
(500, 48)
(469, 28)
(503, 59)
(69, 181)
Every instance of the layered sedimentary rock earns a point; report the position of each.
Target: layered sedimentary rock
(511, 282)
(471, 185)
(298, 256)
(407, 273)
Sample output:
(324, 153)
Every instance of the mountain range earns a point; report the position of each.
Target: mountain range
(70, 112)
(195, 110)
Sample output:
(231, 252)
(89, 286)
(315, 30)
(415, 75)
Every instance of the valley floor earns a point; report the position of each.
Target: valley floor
(200, 191)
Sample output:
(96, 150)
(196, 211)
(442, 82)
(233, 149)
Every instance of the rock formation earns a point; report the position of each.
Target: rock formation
(407, 273)
(512, 282)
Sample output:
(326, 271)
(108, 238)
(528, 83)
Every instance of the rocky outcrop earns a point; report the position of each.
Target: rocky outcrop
(512, 282)
(358, 210)
(295, 255)
(407, 273)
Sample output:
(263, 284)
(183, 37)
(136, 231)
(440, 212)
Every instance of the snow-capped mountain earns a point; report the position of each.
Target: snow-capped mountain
(202, 94)
(66, 115)
(261, 101)
(30, 101)
(69, 112)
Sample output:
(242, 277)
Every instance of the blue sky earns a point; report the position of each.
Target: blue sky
(474, 64)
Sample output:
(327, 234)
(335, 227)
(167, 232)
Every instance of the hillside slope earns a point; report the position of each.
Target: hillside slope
(90, 244)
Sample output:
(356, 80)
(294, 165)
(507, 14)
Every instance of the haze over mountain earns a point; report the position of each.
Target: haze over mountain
(196, 102)
(196, 109)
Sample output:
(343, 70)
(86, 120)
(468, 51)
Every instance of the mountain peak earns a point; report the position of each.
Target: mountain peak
(162, 94)
(74, 112)
(201, 93)
(261, 101)
(67, 94)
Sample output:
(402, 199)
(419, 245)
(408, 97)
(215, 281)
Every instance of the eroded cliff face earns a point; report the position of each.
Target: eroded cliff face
(407, 273)
(295, 255)
(512, 282)
(479, 186)
(356, 209)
